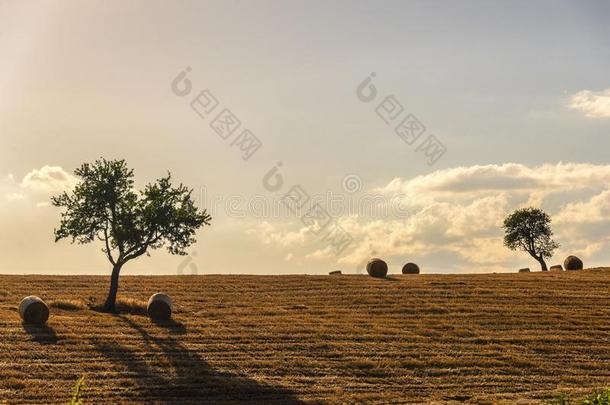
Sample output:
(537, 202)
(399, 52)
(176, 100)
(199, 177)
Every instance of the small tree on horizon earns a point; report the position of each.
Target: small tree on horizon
(104, 206)
(529, 230)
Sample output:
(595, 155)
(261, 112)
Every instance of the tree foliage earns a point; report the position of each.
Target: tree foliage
(529, 230)
(104, 206)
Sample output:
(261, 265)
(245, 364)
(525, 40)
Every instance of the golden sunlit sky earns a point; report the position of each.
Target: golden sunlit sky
(516, 96)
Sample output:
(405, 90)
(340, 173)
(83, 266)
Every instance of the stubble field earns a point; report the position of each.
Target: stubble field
(495, 338)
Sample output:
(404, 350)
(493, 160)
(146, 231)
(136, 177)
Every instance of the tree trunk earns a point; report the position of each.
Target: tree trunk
(542, 264)
(110, 305)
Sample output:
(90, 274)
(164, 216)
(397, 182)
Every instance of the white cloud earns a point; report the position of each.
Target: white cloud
(270, 234)
(594, 104)
(586, 224)
(485, 252)
(458, 214)
(15, 196)
(324, 253)
(596, 209)
(465, 230)
(49, 179)
(460, 210)
(37, 186)
(464, 183)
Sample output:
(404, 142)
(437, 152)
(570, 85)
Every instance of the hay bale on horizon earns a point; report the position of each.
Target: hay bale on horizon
(377, 268)
(556, 267)
(524, 270)
(572, 263)
(335, 273)
(33, 310)
(159, 307)
(410, 268)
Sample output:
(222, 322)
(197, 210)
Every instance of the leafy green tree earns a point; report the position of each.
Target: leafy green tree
(104, 206)
(529, 230)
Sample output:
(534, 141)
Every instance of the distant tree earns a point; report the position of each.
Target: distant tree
(529, 230)
(104, 206)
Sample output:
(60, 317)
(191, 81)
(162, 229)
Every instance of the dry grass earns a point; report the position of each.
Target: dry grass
(496, 338)
(132, 306)
(68, 305)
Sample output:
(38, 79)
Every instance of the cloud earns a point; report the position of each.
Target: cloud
(465, 230)
(460, 210)
(50, 179)
(37, 186)
(586, 224)
(594, 104)
(270, 234)
(594, 210)
(462, 183)
(457, 214)
(324, 253)
(15, 196)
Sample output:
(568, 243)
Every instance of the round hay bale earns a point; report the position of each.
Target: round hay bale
(572, 263)
(524, 270)
(556, 267)
(335, 273)
(410, 268)
(159, 307)
(377, 268)
(33, 310)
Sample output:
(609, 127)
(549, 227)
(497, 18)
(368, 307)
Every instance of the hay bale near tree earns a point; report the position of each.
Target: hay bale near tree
(410, 268)
(572, 263)
(33, 310)
(557, 267)
(524, 270)
(377, 268)
(159, 307)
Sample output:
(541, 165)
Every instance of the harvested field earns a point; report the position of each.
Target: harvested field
(495, 338)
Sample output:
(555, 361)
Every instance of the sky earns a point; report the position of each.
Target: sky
(413, 127)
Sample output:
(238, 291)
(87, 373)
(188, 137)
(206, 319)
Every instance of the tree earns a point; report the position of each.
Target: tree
(104, 206)
(529, 229)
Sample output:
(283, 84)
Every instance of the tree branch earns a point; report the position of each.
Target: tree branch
(140, 249)
(119, 242)
(108, 253)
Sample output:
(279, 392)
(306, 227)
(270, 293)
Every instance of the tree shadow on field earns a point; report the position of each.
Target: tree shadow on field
(177, 374)
(43, 334)
(172, 326)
